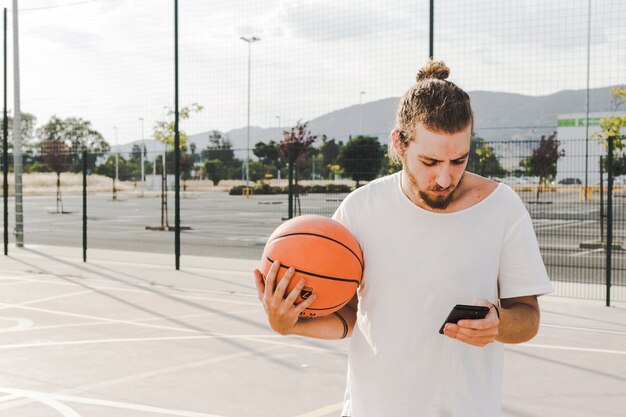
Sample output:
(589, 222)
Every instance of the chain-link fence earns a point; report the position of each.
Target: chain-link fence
(101, 79)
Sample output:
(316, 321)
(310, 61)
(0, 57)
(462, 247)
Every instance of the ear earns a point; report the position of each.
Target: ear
(395, 140)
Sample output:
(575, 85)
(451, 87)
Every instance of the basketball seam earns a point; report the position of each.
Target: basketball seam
(316, 275)
(322, 236)
(328, 308)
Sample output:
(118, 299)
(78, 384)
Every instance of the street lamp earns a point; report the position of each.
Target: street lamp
(279, 128)
(116, 164)
(143, 149)
(249, 41)
(361, 112)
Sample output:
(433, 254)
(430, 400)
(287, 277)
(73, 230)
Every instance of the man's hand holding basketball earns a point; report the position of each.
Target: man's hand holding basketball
(282, 311)
(479, 332)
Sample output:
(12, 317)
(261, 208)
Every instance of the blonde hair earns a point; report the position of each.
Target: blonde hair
(433, 102)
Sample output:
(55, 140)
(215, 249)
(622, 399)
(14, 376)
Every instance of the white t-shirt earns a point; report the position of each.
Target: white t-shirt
(418, 265)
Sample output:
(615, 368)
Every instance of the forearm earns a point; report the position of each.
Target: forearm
(327, 327)
(518, 323)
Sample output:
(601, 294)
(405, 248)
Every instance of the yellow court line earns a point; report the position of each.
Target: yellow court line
(321, 412)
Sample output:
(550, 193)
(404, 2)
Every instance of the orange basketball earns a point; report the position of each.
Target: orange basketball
(324, 253)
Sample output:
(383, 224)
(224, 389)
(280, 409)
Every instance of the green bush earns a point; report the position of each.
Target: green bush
(266, 189)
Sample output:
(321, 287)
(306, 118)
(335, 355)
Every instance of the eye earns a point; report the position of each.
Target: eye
(458, 162)
(429, 164)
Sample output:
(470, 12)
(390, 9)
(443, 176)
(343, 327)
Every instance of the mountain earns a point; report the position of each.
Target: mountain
(498, 117)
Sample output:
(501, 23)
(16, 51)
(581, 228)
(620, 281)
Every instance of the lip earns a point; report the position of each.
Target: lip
(442, 192)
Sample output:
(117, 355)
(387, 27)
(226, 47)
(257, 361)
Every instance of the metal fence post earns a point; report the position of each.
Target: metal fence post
(609, 220)
(84, 206)
(176, 145)
(5, 148)
(602, 216)
(290, 187)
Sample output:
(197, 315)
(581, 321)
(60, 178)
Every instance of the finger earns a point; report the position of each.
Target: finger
(479, 324)
(260, 283)
(305, 304)
(474, 341)
(270, 280)
(281, 288)
(293, 295)
(459, 333)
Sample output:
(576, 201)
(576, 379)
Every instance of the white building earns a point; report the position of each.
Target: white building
(577, 143)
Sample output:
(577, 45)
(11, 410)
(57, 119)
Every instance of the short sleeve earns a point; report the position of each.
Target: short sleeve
(522, 272)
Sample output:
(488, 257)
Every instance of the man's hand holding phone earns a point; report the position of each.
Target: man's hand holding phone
(476, 332)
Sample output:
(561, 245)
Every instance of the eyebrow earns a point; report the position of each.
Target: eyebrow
(437, 160)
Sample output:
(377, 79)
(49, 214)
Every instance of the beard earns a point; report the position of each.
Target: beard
(440, 202)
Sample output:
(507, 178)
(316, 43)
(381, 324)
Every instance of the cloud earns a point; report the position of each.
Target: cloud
(65, 37)
(328, 20)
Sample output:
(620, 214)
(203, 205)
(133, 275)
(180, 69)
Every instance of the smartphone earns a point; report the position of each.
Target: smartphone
(461, 311)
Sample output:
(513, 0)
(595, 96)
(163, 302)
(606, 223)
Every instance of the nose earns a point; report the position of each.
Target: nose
(443, 176)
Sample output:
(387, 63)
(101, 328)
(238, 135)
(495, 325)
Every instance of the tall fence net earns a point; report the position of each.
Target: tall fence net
(101, 79)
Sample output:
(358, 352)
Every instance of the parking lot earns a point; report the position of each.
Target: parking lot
(220, 225)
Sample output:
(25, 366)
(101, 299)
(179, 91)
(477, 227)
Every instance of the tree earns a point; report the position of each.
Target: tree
(186, 164)
(483, 160)
(215, 170)
(330, 151)
(30, 147)
(135, 153)
(296, 141)
(268, 155)
(543, 160)
(220, 148)
(362, 158)
(614, 127)
(126, 171)
(164, 131)
(77, 135)
(55, 156)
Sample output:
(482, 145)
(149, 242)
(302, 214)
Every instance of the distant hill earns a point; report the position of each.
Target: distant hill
(498, 117)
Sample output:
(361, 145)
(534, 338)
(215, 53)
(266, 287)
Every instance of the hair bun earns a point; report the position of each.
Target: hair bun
(433, 69)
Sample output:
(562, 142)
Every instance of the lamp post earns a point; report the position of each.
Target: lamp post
(249, 41)
(143, 149)
(361, 112)
(116, 165)
(280, 129)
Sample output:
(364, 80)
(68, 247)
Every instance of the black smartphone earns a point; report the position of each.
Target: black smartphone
(461, 311)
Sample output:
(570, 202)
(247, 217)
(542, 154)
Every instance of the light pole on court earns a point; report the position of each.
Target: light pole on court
(249, 41)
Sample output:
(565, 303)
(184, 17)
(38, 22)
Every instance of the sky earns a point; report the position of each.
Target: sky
(112, 61)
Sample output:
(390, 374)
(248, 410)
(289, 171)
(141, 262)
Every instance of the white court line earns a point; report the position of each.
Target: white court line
(16, 279)
(324, 411)
(22, 324)
(53, 400)
(4, 306)
(175, 294)
(63, 409)
(575, 349)
(15, 282)
(143, 320)
(584, 329)
(85, 316)
(587, 252)
(257, 338)
(261, 338)
(565, 224)
(6, 404)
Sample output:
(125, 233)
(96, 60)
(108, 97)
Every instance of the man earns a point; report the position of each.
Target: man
(432, 236)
